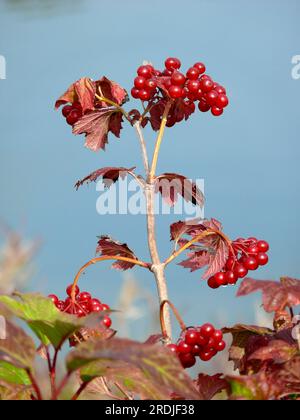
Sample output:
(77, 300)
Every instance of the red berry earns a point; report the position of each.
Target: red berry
(191, 337)
(206, 356)
(253, 250)
(191, 105)
(84, 297)
(66, 110)
(74, 116)
(193, 86)
(212, 343)
(206, 84)
(144, 95)
(220, 89)
(211, 97)
(196, 350)
(221, 346)
(106, 322)
(240, 270)
(263, 246)
(199, 94)
(85, 307)
(144, 71)
(217, 336)
(251, 263)
(60, 305)
(54, 299)
(230, 263)
(77, 105)
(216, 111)
(193, 73)
(139, 82)
(212, 283)
(172, 63)
(231, 277)
(135, 93)
(69, 290)
(150, 84)
(173, 348)
(178, 78)
(95, 305)
(105, 307)
(202, 341)
(184, 348)
(262, 258)
(200, 66)
(207, 330)
(203, 106)
(222, 101)
(175, 92)
(80, 312)
(220, 279)
(187, 360)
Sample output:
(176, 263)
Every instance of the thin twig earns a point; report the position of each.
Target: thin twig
(81, 389)
(138, 128)
(35, 385)
(112, 103)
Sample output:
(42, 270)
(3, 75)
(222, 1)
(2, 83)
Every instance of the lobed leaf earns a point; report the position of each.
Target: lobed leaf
(108, 246)
(210, 386)
(109, 176)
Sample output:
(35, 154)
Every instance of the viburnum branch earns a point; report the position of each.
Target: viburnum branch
(159, 141)
(208, 232)
(162, 318)
(112, 103)
(137, 126)
(100, 259)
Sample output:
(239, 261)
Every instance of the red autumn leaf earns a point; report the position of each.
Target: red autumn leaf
(154, 339)
(109, 176)
(109, 247)
(196, 260)
(156, 113)
(97, 124)
(276, 295)
(209, 386)
(172, 185)
(217, 259)
(179, 229)
(277, 351)
(82, 91)
(111, 90)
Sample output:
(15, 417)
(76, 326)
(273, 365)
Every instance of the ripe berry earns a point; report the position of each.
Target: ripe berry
(202, 341)
(77, 105)
(74, 116)
(144, 71)
(173, 348)
(212, 97)
(206, 356)
(184, 348)
(222, 101)
(220, 279)
(212, 283)
(193, 73)
(196, 350)
(54, 299)
(139, 82)
(231, 277)
(230, 263)
(150, 84)
(69, 290)
(191, 337)
(105, 307)
(220, 89)
(207, 330)
(66, 110)
(263, 246)
(253, 250)
(178, 78)
(84, 297)
(221, 346)
(106, 322)
(206, 85)
(175, 92)
(187, 360)
(216, 111)
(262, 258)
(135, 93)
(217, 336)
(200, 66)
(251, 263)
(172, 63)
(203, 106)
(191, 105)
(193, 86)
(144, 95)
(60, 305)
(95, 305)
(240, 270)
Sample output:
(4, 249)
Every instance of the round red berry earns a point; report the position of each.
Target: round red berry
(207, 330)
(202, 341)
(70, 288)
(150, 84)
(178, 78)
(95, 305)
(144, 71)
(106, 322)
(187, 360)
(251, 263)
(175, 91)
(193, 73)
(193, 86)
(206, 356)
(172, 348)
(184, 348)
(60, 305)
(220, 89)
(240, 270)
(253, 250)
(212, 283)
(230, 263)
(66, 110)
(216, 111)
(139, 82)
(196, 350)
(206, 84)
(144, 95)
(74, 116)
(222, 100)
(211, 98)
(262, 258)
(105, 307)
(54, 299)
(217, 336)
(135, 93)
(263, 246)
(172, 63)
(84, 297)
(231, 277)
(220, 279)
(200, 66)
(221, 346)
(203, 106)
(191, 337)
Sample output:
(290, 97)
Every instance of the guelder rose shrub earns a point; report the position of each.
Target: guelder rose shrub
(100, 365)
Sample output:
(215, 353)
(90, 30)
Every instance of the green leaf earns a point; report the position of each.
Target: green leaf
(46, 321)
(18, 347)
(240, 390)
(13, 374)
(151, 371)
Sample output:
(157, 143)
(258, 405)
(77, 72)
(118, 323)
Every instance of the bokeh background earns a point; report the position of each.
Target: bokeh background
(249, 157)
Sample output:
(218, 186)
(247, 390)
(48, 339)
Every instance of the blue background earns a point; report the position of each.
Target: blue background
(249, 157)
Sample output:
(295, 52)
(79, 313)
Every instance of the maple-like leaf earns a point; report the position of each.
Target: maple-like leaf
(97, 124)
(110, 247)
(276, 295)
(171, 185)
(196, 260)
(276, 351)
(82, 91)
(111, 90)
(109, 176)
(210, 386)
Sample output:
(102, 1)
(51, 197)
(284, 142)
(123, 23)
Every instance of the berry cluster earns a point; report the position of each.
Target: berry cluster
(190, 87)
(84, 305)
(72, 113)
(249, 254)
(203, 342)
